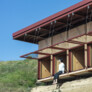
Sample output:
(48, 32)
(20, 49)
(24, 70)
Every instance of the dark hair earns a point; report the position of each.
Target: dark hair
(61, 59)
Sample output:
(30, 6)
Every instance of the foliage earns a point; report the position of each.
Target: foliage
(18, 75)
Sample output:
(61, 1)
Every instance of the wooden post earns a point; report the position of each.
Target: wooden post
(51, 65)
(88, 56)
(39, 69)
(85, 54)
(70, 61)
(67, 60)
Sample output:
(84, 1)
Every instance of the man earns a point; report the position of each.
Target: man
(61, 71)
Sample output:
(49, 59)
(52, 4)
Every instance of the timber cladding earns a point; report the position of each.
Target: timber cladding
(77, 59)
(63, 36)
(45, 67)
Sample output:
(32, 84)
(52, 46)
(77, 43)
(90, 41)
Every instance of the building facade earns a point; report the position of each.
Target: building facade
(66, 34)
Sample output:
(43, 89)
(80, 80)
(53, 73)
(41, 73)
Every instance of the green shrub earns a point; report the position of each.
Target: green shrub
(18, 74)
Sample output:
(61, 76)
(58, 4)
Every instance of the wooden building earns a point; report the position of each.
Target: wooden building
(66, 34)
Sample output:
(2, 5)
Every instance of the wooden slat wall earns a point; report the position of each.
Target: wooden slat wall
(62, 36)
(89, 26)
(77, 31)
(45, 68)
(78, 59)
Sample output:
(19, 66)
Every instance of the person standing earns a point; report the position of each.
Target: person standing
(61, 71)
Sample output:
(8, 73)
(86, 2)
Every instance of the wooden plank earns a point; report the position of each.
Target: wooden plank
(66, 75)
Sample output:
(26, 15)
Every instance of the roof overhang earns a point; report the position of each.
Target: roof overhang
(60, 47)
(40, 30)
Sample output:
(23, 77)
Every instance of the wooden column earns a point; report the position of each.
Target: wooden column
(39, 69)
(88, 56)
(70, 61)
(51, 65)
(85, 54)
(67, 60)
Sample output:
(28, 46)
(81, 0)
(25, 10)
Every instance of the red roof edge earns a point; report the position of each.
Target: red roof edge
(50, 18)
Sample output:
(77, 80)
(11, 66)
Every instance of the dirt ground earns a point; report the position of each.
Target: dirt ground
(82, 85)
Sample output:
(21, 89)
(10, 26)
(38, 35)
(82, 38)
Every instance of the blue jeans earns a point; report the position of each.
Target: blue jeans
(56, 76)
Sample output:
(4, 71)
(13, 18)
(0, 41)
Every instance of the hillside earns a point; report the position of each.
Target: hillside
(81, 85)
(21, 76)
(18, 76)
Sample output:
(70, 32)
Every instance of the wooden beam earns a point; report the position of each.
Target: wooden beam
(76, 42)
(73, 22)
(42, 53)
(60, 22)
(59, 48)
(80, 15)
(56, 29)
(32, 36)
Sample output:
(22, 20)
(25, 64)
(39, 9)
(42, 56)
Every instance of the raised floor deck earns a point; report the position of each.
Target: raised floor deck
(68, 75)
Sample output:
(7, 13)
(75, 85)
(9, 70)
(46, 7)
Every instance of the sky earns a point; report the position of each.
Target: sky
(18, 14)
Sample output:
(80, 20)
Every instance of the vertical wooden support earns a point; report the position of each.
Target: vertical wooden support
(85, 55)
(51, 65)
(70, 60)
(67, 60)
(88, 55)
(39, 67)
